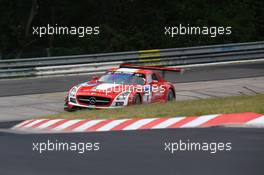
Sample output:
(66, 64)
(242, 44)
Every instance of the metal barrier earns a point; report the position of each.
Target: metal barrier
(95, 63)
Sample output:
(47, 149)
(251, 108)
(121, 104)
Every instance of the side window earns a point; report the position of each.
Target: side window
(149, 78)
(154, 77)
(140, 81)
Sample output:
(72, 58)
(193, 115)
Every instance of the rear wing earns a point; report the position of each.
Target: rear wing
(170, 69)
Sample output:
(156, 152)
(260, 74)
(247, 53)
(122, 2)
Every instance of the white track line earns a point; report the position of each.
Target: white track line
(111, 125)
(257, 121)
(22, 123)
(33, 123)
(199, 120)
(65, 125)
(47, 124)
(167, 123)
(139, 123)
(86, 125)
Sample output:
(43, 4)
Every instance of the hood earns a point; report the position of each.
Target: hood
(99, 88)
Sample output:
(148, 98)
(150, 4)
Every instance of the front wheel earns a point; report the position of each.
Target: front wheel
(68, 107)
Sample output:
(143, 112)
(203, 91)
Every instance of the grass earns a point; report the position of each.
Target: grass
(182, 108)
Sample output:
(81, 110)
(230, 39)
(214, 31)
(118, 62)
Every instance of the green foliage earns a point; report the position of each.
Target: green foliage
(124, 24)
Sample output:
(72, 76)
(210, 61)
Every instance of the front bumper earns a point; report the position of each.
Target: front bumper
(114, 103)
(94, 106)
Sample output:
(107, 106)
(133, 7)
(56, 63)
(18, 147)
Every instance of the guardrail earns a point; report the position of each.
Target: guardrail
(96, 63)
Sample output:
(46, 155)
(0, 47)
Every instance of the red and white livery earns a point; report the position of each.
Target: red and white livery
(122, 86)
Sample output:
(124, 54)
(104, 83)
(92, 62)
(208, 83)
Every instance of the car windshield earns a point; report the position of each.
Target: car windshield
(123, 78)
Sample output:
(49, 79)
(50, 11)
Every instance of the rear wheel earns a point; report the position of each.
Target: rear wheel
(137, 99)
(171, 96)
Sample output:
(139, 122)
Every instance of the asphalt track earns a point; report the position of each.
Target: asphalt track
(133, 152)
(136, 152)
(63, 83)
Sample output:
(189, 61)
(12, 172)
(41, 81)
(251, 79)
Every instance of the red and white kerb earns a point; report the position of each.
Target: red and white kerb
(82, 125)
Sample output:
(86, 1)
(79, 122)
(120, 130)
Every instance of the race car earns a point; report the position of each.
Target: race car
(123, 86)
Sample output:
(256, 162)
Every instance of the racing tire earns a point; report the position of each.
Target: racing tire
(170, 96)
(66, 108)
(136, 100)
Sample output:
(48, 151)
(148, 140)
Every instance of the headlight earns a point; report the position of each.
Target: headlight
(123, 96)
(73, 91)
